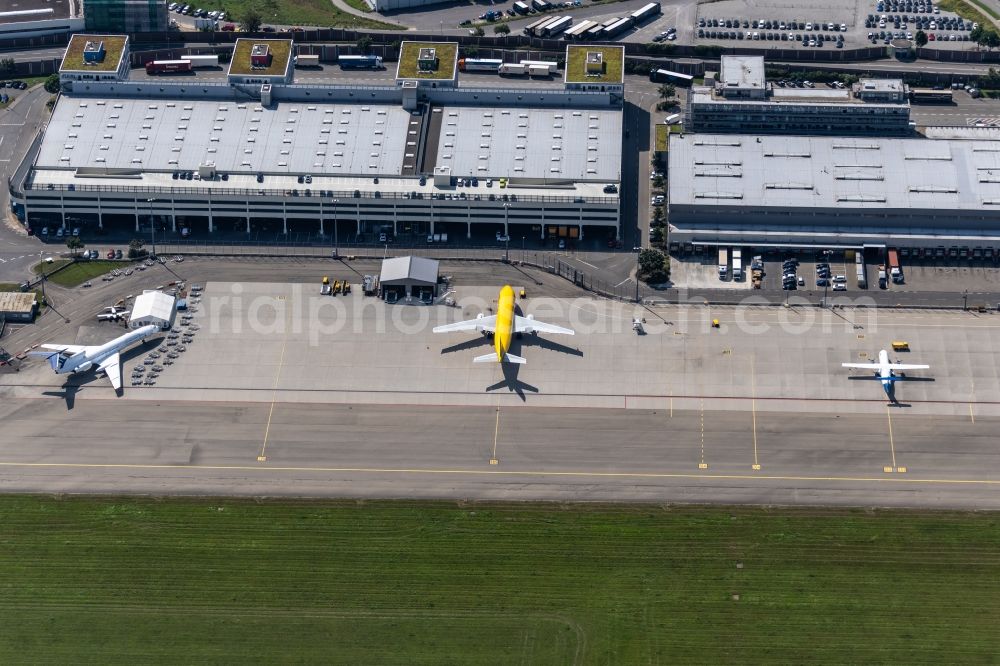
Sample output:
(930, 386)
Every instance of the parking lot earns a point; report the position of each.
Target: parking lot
(976, 273)
(814, 24)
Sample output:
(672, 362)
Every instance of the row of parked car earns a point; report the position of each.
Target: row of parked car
(918, 6)
(16, 85)
(197, 12)
(762, 24)
(805, 39)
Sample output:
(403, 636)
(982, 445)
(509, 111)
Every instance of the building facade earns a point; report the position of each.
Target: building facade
(829, 191)
(125, 16)
(342, 162)
(742, 101)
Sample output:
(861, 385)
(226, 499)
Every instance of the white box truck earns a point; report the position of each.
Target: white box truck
(306, 60)
(512, 69)
(737, 264)
(723, 263)
(202, 60)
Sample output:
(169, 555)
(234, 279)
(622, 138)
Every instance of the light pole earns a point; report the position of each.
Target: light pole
(826, 282)
(336, 237)
(965, 299)
(506, 232)
(524, 253)
(152, 226)
(41, 269)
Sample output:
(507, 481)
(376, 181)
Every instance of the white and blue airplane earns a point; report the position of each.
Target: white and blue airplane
(72, 359)
(884, 371)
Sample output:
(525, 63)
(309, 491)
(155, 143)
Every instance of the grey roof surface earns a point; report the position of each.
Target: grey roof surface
(34, 10)
(831, 172)
(398, 270)
(787, 97)
(742, 72)
(881, 85)
(169, 135)
(554, 144)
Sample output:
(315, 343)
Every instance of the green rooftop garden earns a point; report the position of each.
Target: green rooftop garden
(576, 64)
(113, 47)
(280, 50)
(410, 69)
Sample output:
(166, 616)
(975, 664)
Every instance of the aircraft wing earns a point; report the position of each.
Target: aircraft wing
(525, 324)
(862, 366)
(478, 324)
(72, 349)
(113, 369)
(908, 366)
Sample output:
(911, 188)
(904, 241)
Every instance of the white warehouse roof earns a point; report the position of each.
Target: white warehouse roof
(833, 172)
(552, 144)
(400, 270)
(153, 305)
(179, 135)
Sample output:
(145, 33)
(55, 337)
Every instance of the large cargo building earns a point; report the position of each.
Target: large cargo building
(343, 161)
(38, 18)
(830, 191)
(743, 102)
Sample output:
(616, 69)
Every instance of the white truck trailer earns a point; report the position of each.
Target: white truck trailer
(737, 264)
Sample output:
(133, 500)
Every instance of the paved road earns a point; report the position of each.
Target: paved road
(687, 455)
(18, 125)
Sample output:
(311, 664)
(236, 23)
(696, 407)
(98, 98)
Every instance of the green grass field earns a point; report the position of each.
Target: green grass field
(185, 581)
(79, 272)
(304, 13)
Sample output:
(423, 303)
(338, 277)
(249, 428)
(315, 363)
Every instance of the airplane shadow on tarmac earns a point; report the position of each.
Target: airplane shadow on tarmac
(74, 383)
(893, 400)
(510, 370)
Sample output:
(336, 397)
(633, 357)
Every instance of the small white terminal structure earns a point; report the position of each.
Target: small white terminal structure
(359, 161)
(153, 308)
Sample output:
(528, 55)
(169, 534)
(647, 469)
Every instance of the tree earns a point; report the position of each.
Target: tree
(667, 91)
(479, 32)
(52, 84)
(502, 29)
(251, 21)
(6, 67)
(985, 36)
(135, 248)
(74, 243)
(921, 38)
(364, 44)
(653, 264)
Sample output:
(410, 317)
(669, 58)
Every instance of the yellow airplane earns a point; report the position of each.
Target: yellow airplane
(503, 325)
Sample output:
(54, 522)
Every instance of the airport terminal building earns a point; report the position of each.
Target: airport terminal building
(834, 191)
(352, 162)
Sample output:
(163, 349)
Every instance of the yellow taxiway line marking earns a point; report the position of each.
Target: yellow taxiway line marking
(892, 444)
(972, 397)
(570, 473)
(496, 436)
(753, 409)
(702, 464)
(274, 396)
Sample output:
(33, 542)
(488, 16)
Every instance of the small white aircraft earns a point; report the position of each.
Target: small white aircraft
(884, 371)
(107, 357)
(112, 313)
(503, 326)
